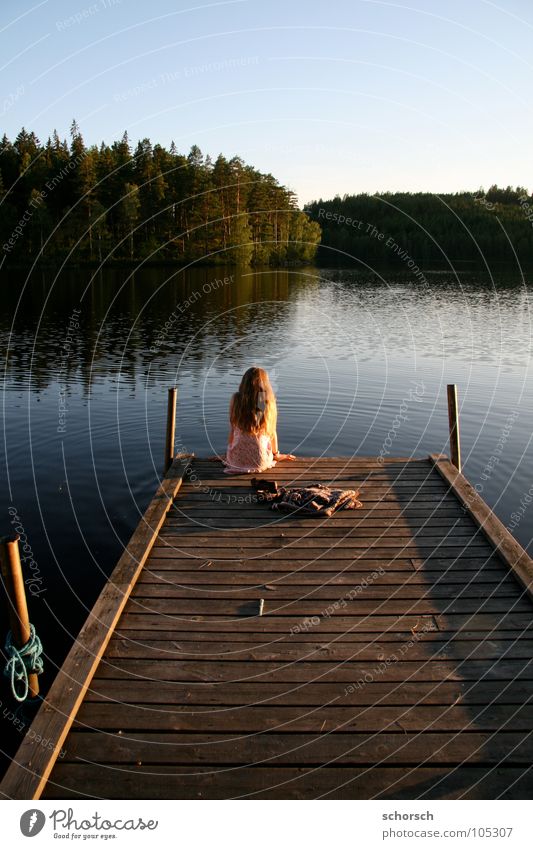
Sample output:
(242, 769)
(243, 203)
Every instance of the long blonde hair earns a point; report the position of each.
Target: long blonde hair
(253, 408)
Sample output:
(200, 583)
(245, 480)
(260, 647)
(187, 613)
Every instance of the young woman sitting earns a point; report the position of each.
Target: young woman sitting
(253, 440)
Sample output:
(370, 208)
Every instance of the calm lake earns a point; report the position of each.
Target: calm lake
(89, 361)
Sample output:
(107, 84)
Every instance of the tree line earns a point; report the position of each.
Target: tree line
(395, 227)
(63, 200)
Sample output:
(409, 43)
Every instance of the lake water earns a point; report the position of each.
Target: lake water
(89, 361)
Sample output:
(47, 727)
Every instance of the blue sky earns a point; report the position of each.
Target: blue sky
(331, 97)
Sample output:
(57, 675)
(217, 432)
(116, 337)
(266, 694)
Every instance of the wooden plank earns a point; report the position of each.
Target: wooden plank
(397, 529)
(386, 494)
(349, 478)
(486, 648)
(205, 481)
(334, 559)
(394, 668)
(509, 549)
(200, 510)
(208, 487)
(328, 719)
(142, 782)
(422, 475)
(503, 638)
(376, 693)
(327, 460)
(329, 593)
(344, 519)
(316, 471)
(387, 497)
(345, 478)
(29, 770)
(345, 608)
(330, 563)
(334, 624)
(341, 578)
(516, 748)
(296, 469)
(330, 534)
(198, 515)
(248, 515)
(355, 542)
(377, 517)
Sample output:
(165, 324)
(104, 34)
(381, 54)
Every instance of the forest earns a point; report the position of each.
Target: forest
(65, 202)
(397, 227)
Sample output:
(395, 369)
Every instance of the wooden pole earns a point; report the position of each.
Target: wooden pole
(19, 621)
(171, 427)
(453, 419)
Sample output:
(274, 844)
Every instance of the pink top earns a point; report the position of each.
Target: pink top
(248, 452)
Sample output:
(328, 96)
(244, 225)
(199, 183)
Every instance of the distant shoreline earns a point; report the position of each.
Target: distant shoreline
(432, 267)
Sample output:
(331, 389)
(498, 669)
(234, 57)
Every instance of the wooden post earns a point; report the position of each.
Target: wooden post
(171, 427)
(453, 419)
(19, 621)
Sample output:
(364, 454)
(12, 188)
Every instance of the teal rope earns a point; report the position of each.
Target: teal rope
(23, 661)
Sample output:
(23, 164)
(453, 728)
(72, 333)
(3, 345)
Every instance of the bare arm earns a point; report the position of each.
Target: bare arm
(276, 452)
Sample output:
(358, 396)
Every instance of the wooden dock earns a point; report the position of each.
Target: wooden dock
(393, 658)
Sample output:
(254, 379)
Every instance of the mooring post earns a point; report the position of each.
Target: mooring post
(453, 419)
(19, 620)
(171, 427)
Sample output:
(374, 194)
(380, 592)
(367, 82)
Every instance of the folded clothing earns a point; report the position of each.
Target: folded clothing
(318, 499)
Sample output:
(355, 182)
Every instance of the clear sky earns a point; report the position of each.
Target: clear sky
(331, 97)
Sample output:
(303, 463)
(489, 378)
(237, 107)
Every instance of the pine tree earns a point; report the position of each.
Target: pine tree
(156, 202)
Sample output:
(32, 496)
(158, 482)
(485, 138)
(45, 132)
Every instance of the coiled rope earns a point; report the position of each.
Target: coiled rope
(22, 662)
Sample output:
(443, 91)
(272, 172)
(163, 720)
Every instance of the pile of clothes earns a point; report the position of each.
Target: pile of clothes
(318, 499)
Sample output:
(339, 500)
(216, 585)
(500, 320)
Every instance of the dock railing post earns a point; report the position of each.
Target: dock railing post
(19, 620)
(171, 427)
(453, 419)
